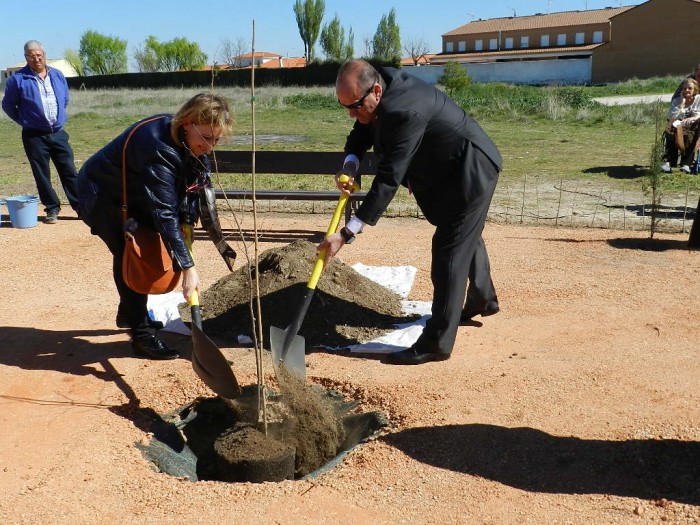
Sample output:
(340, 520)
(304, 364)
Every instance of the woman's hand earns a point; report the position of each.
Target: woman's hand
(190, 281)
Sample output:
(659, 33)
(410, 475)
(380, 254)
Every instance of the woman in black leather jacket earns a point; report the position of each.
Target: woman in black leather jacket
(166, 168)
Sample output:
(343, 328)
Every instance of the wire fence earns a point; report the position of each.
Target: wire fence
(590, 204)
(530, 201)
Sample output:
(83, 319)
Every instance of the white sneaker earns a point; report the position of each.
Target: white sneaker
(666, 167)
(685, 168)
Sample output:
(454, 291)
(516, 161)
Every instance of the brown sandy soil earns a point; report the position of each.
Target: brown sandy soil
(578, 404)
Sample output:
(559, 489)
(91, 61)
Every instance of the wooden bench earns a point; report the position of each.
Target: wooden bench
(292, 163)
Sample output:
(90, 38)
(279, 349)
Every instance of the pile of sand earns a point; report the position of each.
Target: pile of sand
(347, 308)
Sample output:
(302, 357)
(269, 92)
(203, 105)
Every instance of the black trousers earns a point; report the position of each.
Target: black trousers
(41, 147)
(459, 256)
(105, 221)
(671, 152)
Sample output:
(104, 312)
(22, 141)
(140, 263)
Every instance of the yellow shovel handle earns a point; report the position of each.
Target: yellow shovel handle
(188, 231)
(332, 228)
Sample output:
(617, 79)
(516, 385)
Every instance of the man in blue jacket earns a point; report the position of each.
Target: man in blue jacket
(36, 97)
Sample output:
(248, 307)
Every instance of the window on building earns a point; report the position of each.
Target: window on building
(544, 41)
(597, 37)
(580, 38)
(479, 45)
(449, 47)
(462, 46)
(493, 44)
(561, 39)
(524, 41)
(509, 42)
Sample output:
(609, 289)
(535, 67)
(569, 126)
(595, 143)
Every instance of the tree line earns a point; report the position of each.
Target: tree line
(100, 54)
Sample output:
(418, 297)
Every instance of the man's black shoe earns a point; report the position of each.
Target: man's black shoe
(468, 314)
(122, 322)
(153, 347)
(414, 356)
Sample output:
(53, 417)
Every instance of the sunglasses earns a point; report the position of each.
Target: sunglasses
(360, 102)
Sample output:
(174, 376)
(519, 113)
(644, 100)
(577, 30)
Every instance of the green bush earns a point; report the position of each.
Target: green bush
(454, 78)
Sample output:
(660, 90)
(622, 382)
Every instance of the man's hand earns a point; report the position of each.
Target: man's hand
(332, 245)
(345, 178)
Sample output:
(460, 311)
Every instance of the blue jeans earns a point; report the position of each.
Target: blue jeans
(41, 147)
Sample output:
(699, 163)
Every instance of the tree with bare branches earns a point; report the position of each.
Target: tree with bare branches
(416, 48)
(230, 52)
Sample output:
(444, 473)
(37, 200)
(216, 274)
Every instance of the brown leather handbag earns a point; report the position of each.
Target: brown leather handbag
(147, 266)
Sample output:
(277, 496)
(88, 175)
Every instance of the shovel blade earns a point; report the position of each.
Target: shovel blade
(292, 358)
(212, 367)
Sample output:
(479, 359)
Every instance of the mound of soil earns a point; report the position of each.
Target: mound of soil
(347, 308)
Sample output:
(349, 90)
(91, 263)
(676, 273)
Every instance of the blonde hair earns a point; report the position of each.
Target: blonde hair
(203, 108)
(692, 83)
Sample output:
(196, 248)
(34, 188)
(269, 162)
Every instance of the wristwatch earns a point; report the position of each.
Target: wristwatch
(347, 235)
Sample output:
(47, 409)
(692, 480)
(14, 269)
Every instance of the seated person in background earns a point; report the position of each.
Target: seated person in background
(682, 130)
(695, 75)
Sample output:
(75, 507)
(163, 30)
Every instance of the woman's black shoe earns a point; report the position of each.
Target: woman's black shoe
(153, 347)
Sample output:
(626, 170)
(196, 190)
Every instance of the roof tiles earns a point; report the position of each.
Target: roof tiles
(539, 21)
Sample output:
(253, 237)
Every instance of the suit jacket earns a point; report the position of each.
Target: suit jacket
(424, 141)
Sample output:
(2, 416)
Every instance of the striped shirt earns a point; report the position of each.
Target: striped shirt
(48, 98)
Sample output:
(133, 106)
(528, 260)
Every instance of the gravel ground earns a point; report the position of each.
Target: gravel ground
(577, 404)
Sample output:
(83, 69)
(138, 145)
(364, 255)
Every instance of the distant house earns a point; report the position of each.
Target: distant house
(284, 62)
(61, 64)
(423, 60)
(268, 60)
(593, 46)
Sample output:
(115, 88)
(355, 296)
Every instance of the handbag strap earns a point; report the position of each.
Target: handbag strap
(137, 126)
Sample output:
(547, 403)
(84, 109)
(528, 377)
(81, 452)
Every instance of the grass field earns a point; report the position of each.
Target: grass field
(553, 140)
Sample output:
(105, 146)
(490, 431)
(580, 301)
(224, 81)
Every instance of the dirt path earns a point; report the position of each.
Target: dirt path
(578, 403)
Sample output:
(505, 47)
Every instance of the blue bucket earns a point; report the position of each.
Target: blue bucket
(23, 210)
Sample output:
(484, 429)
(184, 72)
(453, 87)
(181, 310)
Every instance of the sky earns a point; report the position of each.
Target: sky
(60, 24)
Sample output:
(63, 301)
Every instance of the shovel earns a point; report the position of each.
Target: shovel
(207, 360)
(289, 348)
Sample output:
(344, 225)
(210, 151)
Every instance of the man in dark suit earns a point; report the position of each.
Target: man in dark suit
(427, 143)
